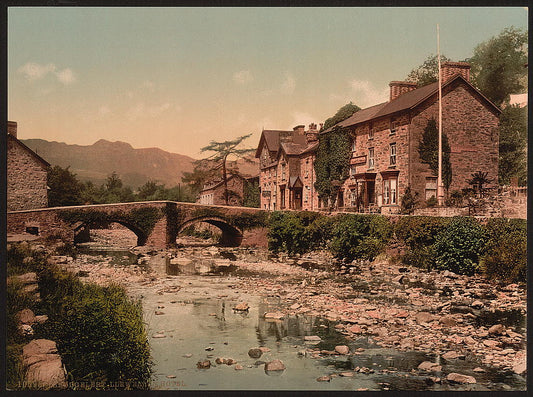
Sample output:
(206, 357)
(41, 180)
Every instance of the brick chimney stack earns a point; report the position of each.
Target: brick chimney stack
(398, 88)
(12, 128)
(299, 129)
(312, 134)
(450, 69)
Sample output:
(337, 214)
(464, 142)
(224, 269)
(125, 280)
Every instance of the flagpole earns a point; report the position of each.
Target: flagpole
(440, 187)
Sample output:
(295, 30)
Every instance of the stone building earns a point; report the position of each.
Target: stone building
(286, 168)
(386, 137)
(213, 192)
(26, 174)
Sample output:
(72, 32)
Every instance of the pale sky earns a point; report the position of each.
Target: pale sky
(177, 78)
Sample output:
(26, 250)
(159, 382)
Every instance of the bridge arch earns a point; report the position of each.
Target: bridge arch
(81, 229)
(231, 236)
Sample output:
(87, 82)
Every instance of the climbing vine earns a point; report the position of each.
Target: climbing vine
(332, 163)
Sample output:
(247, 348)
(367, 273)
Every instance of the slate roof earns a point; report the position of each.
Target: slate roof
(405, 101)
(297, 145)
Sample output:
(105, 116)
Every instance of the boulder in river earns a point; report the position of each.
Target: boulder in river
(275, 365)
(460, 378)
(496, 329)
(243, 306)
(203, 364)
(255, 352)
(430, 367)
(342, 349)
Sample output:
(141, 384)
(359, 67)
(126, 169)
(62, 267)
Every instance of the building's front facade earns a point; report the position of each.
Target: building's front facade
(26, 175)
(286, 163)
(214, 193)
(386, 137)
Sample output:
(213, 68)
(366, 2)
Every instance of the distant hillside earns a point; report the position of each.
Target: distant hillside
(134, 166)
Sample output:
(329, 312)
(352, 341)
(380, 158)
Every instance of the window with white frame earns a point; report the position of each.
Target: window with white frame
(353, 144)
(431, 187)
(283, 171)
(390, 187)
(394, 124)
(371, 157)
(393, 154)
(370, 132)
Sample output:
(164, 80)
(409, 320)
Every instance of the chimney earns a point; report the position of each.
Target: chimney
(299, 129)
(312, 134)
(12, 128)
(398, 88)
(450, 69)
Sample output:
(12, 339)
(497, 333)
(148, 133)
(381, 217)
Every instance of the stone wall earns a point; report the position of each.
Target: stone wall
(26, 179)
(472, 128)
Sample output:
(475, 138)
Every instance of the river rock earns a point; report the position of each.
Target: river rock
(41, 319)
(274, 315)
(451, 355)
(156, 336)
(324, 379)
(229, 361)
(448, 321)
(159, 313)
(275, 365)
(27, 278)
(243, 306)
(255, 352)
(219, 360)
(496, 329)
(295, 306)
(519, 363)
(342, 349)
(356, 329)
(477, 304)
(346, 374)
(460, 378)
(238, 367)
(26, 316)
(423, 317)
(479, 369)
(203, 364)
(264, 349)
(312, 338)
(430, 367)
(25, 329)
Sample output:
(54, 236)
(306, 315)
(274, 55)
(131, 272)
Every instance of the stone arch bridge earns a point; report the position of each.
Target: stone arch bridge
(155, 223)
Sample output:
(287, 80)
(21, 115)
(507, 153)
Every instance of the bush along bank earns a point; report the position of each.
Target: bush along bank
(463, 245)
(99, 331)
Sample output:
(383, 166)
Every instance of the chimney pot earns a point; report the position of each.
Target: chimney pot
(299, 129)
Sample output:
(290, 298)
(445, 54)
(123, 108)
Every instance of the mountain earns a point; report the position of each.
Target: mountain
(134, 166)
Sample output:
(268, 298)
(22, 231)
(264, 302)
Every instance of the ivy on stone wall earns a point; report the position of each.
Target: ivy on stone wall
(242, 221)
(332, 163)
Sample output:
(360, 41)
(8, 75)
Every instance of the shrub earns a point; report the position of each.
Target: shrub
(287, 233)
(506, 251)
(432, 201)
(459, 247)
(419, 231)
(409, 201)
(99, 330)
(320, 230)
(359, 236)
(22, 259)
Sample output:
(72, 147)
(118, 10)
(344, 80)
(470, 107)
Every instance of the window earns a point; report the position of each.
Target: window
(352, 171)
(390, 191)
(393, 154)
(370, 132)
(283, 171)
(394, 124)
(353, 144)
(431, 187)
(371, 157)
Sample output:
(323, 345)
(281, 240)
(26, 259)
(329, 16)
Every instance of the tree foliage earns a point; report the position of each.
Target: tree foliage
(342, 114)
(498, 65)
(428, 72)
(65, 188)
(219, 159)
(513, 144)
(332, 163)
(428, 150)
(251, 194)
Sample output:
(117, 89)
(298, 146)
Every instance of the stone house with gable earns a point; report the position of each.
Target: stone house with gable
(213, 192)
(26, 174)
(286, 168)
(385, 140)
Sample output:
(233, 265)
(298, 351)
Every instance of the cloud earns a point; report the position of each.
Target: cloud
(243, 77)
(365, 94)
(140, 110)
(33, 71)
(289, 84)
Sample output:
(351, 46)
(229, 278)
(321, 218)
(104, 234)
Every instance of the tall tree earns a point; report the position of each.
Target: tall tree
(203, 171)
(221, 152)
(428, 149)
(513, 145)
(499, 65)
(428, 72)
(342, 114)
(65, 188)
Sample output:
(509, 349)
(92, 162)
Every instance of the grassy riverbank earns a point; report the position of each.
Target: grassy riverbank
(98, 330)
